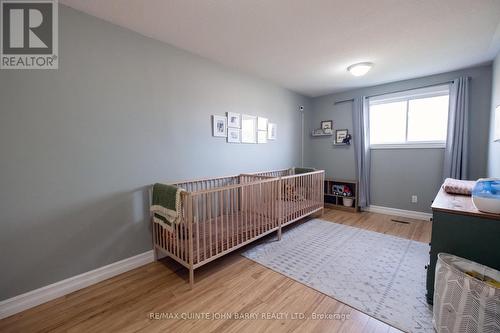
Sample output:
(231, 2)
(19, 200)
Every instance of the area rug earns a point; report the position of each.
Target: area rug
(380, 275)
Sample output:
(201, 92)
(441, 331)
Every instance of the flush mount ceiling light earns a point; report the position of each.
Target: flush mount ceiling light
(360, 69)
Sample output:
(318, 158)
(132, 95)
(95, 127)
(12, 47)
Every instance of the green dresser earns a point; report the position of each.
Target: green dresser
(459, 228)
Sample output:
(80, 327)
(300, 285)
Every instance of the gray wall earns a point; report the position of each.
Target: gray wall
(494, 147)
(80, 144)
(397, 174)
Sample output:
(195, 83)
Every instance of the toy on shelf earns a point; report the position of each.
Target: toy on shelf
(342, 190)
(347, 139)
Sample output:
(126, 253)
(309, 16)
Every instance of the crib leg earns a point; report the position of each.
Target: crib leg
(279, 234)
(155, 253)
(191, 278)
(319, 214)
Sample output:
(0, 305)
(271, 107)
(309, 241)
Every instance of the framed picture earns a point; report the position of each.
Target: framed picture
(340, 135)
(219, 126)
(327, 126)
(262, 137)
(262, 124)
(233, 120)
(248, 129)
(233, 135)
(496, 133)
(271, 131)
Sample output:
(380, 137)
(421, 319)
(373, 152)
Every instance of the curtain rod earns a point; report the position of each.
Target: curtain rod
(397, 91)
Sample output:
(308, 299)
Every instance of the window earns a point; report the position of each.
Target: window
(411, 119)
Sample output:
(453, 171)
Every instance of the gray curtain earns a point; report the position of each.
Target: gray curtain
(455, 155)
(361, 140)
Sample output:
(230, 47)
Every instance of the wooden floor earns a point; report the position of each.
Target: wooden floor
(232, 284)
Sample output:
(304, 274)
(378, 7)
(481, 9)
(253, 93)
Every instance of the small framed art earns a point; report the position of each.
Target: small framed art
(248, 129)
(340, 135)
(219, 126)
(233, 120)
(327, 126)
(233, 135)
(262, 123)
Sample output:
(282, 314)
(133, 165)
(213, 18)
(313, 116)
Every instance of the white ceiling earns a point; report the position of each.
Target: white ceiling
(306, 45)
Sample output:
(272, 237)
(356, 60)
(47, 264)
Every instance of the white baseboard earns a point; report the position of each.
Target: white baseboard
(36, 297)
(399, 212)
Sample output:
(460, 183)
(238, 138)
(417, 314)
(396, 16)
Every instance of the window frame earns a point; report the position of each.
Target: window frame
(407, 96)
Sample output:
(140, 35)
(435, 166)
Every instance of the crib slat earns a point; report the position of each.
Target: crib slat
(302, 194)
(227, 200)
(256, 211)
(295, 204)
(205, 214)
(258, 208)
(210, 223)
(234, 219)
(300, 202)
(297, 189)
(216, 223)
(176, 237)
(239, 216)
(251, 212)
(222, 220)
(189, 214)
(197, 229)
(273, 211)
(231, 218)
(254, 218)
(185, 229)
(265, 208)
(182, 242)
(246, 198)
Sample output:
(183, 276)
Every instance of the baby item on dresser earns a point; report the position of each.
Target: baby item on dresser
(486, 195)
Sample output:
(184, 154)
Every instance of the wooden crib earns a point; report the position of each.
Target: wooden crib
(220, 215)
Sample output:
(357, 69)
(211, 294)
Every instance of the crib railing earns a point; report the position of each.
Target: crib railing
(208, 183)
(302, 193)
(222, 214)
(274, 173)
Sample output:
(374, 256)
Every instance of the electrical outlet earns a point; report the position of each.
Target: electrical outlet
(414, 199)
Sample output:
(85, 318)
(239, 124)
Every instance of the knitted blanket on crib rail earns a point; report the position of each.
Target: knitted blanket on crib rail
(166, 204)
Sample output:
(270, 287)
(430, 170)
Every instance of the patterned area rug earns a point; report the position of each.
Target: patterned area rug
(378, 274)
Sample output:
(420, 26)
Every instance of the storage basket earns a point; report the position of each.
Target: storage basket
(463, 303)
(347, 202)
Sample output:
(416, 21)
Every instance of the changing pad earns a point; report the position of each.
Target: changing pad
(457, 186)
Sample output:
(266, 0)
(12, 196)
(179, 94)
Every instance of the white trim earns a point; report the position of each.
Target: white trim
(418, 93)
(419, 145)
(36, 297)
(399, 212)
(496, 127)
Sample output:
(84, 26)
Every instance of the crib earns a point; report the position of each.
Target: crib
(220, 215)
